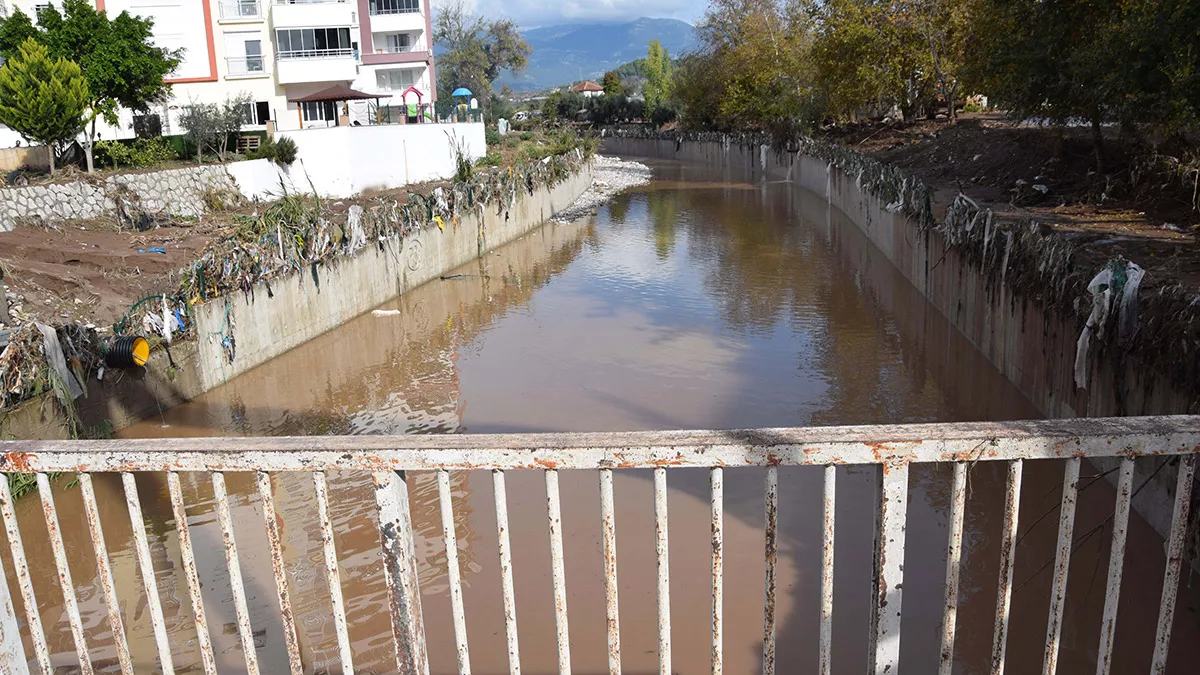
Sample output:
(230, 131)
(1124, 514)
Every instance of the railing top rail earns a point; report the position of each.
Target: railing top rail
(896, 444)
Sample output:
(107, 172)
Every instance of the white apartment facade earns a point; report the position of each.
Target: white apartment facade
(280, 50)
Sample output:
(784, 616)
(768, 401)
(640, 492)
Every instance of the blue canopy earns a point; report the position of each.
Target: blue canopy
(461, 91)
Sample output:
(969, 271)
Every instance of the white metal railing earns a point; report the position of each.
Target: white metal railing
(378, 7)
(240, 9)
(316, 53)
(246, 65)
(893, 448)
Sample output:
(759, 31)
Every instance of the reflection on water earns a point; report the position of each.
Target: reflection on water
(699, 301)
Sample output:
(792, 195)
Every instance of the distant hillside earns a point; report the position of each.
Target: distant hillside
(567, 53)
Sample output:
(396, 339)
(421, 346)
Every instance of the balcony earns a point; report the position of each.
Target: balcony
(235, 11)
(396, 16)
(316, 65)
(246, 67)
(303, 13)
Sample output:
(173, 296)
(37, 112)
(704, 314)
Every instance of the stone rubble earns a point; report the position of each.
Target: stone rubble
(611, 176)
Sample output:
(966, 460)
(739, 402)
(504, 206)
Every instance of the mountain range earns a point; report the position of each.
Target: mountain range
(571, 52)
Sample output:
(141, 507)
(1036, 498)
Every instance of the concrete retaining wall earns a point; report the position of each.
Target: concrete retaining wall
(343, 161)
(307, 304)
(1034, 347)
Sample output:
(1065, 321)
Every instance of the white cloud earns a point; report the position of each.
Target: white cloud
(532, 13)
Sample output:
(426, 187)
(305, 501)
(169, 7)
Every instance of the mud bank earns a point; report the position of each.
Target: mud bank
(1032, 342)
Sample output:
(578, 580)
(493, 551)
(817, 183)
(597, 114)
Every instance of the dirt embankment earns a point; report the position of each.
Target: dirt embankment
(94, 271)
(1137, 208)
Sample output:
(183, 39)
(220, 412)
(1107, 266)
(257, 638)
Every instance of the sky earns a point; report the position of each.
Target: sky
(534, 13)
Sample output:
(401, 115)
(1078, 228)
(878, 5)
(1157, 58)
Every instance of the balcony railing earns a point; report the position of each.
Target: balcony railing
(891, 449)
(394, 6)
(240, 9)
(312, 2)
(317, 53)
(246, 66)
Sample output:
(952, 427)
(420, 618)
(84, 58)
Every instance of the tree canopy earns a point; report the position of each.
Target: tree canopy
(42, 98)
(117, 56)
(476, 50)
(801, 63)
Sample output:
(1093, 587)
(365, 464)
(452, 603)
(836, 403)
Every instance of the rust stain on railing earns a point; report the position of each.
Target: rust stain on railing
(893, 449)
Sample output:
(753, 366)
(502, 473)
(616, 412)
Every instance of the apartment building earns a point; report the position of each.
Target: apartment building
(281, 50)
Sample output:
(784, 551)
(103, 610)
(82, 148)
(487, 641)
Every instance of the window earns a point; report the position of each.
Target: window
(258, 113)
(394, 6)
(395, 80)
(147, 126)
(399, 42)
(319, 111)
(299, 43)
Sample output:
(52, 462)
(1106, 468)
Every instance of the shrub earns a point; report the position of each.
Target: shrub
(526, 135)
(491, 136)
(266, 150)
(490, 159)
(285, 151)
(139, 154)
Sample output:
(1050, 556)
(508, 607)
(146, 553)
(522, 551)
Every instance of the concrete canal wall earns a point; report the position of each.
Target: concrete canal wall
(297, 308)
(1032, 345)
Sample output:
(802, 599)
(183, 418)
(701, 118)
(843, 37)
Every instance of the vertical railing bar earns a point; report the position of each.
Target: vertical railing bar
(558, 572)
(1062, 564)
(203, 638)
(661, 551)
(958, 503)
(826, 657)
(500, 493)
(1008, 545)
(716, 480)
(275, 542)
(12, 651)
(70, 602)
(104, 572)
(221, 496)
(400, 571)
(608, 520)
(332, 575)
(453, 573)
(771, 518)
(141, 547)
(884, 655)
(1116, 563)
(1175, 553)
(41, 653)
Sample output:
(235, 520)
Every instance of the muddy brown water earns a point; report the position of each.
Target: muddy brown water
(699, 301)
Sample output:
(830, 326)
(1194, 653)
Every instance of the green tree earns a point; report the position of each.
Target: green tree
(476, 51)
(118, 58)
(659, 83)
(869, 58)
(42, 98)
(612, 83)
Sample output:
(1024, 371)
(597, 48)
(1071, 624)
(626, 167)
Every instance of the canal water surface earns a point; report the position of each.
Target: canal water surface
(698, 301)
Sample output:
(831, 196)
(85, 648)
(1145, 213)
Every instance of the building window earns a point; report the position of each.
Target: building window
(147, 126)
(396, 80)
(399, 42)
(319, 111)
(301, 43)
(245, 56)
(394, 6)
(239, 9)
(258, 113)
